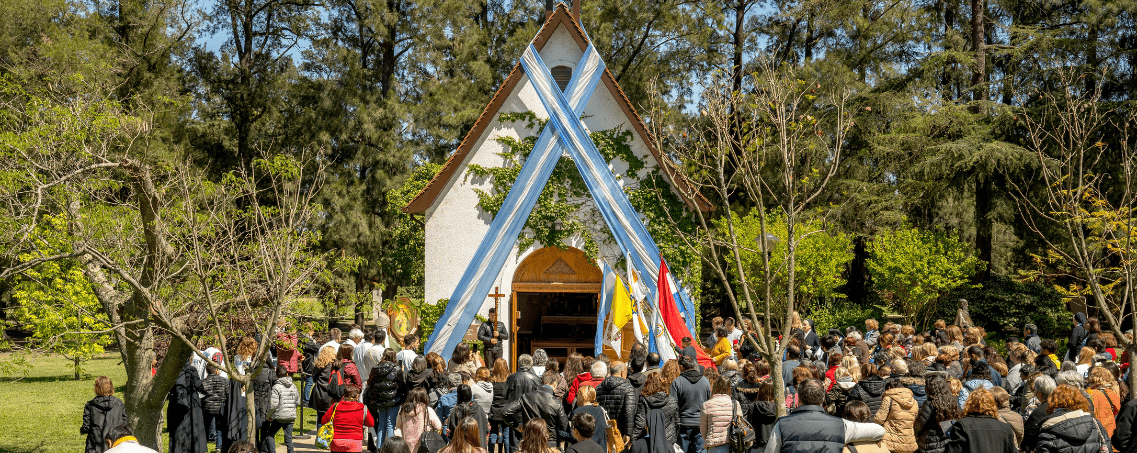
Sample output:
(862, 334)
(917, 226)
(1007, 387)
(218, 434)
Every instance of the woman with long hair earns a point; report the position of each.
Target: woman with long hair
(347, 366)
(243, 359)
(936, 415)
(499, 431)
(1085, 361)
(574, 365)
(715, 417)
(321, 399)
(653, 395)
(467, 409)
(586, 403)
(466, 437)
(420, 374)
(438, 375)
(1102, 387)
(386, 386)
(536, 437)
(670, 371)
(462, 360)
(980, 430)
(1070, 428)
(349, 418)
(560, 389)
(840, 388)
(415, 418)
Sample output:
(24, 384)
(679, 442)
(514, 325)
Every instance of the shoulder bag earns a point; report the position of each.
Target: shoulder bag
(326, 432)
(740, 433)
(429, 441)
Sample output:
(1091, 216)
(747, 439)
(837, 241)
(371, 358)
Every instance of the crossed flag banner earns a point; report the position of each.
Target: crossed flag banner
(564, 131)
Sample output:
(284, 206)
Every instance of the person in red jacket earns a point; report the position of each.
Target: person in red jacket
(348, 418)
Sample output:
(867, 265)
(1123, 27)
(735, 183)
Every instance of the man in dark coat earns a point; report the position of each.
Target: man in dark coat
(690, 390)
(618, 398)
(235, 427)
(262, 389)
(185, 420)
(540, 403)
(491, 339)
(519, 384)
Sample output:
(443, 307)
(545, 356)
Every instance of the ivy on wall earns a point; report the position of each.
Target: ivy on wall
(565, 208)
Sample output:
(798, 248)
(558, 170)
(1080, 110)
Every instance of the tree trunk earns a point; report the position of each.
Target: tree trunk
(984, 226)
(979, 44)
(77, 376)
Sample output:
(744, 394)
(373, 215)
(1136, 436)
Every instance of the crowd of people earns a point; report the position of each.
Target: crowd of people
(889, 388)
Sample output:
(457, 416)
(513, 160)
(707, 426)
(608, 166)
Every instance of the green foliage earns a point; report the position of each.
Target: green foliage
(56, 300)
(912, 268)
(428, 315)
(821, 256)
(1005, 304)
(841, 313)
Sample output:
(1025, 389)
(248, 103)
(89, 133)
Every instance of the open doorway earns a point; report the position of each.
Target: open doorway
(559, 323)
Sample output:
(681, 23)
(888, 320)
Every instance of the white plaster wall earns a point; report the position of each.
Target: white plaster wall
(455, 225)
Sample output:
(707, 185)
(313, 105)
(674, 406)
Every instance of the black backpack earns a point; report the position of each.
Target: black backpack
(336, 389)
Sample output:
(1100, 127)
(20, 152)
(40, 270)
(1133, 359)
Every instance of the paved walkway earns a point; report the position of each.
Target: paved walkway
(301, 443)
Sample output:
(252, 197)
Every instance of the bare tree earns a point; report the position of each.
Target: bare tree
(793, 134)
(1086, 214)
(165, 249)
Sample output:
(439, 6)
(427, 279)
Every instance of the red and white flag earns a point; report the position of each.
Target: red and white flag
(671, 319)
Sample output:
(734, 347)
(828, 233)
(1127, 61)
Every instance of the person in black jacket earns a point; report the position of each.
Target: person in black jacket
(215, 391)
(466, 407)
(1071, 428)
(523, 381)
(617, 396)
(540, 403)
(491, 340)
(690, 390)
(654, 396)
(1123, 439)
(101, 414)
(757, 400)
(1077, 337)
(386, 389)
(980, 430)
(870, 389)
(309, 349)
(183, 414)
(936, 415)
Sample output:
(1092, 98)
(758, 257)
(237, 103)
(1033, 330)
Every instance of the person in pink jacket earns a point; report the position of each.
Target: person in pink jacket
(714, 421)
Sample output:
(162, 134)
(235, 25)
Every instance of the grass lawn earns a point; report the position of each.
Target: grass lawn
(43, 411)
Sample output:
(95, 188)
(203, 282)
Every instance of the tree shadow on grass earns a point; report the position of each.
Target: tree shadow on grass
(23, 448)
(60, 378)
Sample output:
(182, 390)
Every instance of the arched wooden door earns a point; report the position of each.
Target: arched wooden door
(565, 275)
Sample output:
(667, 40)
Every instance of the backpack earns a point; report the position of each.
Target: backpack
(740, 433)
(336, 389)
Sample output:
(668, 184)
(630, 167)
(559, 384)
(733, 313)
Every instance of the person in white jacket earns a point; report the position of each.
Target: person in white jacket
(282, 410)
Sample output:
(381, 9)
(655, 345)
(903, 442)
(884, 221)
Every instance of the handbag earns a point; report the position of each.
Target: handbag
(740, 433)
(326, 432)
(429, 441)
(615, 438)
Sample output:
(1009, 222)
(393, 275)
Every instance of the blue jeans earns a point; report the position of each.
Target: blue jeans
(724, 448)
(306, 395)
(499, 434)
(691, 439)
(384, 425)
(268, 440)
(212, 424)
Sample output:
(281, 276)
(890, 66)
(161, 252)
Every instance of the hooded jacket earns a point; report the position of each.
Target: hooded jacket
(100, 415)
(284, 400)
(386, 387)
(666, 404)
(422, 379)
(1072, 432)
(916, 385)
(483, 395)
(537, 404)
(617, 396)
(691, 390)
(970, 386)
(931, 435)
(898, 410)
(839, 395)
(869, 390)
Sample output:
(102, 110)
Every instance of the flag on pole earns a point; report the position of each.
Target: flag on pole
(671, 319)
(622, 312)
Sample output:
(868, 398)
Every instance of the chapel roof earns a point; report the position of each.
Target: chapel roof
(429, 194)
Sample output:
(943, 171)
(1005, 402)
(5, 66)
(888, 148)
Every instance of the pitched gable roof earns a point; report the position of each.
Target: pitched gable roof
(429, 194)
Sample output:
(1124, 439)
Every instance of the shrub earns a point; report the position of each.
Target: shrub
(841, 313)
(1003, 303)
